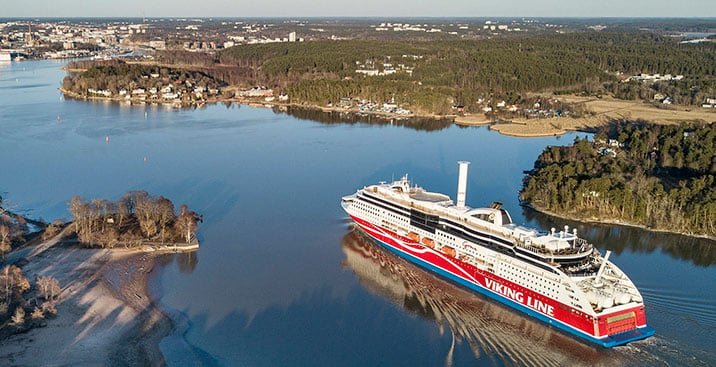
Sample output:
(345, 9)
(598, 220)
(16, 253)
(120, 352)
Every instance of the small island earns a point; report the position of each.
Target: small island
(661, 177)
(69, 283)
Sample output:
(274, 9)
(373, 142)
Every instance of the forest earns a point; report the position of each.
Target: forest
(659, 176)
(446, 73)
(430, 77)
(115, 75)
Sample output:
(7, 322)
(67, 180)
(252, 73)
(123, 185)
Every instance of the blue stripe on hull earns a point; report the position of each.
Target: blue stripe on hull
(610, 341)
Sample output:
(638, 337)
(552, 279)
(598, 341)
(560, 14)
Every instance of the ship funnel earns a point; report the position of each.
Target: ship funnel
(462, 184)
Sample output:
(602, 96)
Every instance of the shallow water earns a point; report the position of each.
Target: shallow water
(275, 281)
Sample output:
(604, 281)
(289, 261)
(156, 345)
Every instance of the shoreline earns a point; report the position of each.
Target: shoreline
(250, 102)
(106, 312)
(605, 112)
(617, 223)
(506, 129)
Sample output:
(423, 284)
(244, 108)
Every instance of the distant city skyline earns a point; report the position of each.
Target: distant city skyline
(365, 8)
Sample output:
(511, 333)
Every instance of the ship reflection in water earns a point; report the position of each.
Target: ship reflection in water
(492, 330)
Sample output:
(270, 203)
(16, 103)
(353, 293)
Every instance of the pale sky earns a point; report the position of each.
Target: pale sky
(357, 8)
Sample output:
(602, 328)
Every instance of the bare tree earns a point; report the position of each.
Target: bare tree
(13, 282)
(165, 214)
(51, 230)
(37, 314)
(7, 282)
(146, 213)
(19, 317)
(4, 240)
(49, 287)
(49, 307)
(96, 206)
(186, 222)
(80, 211)
(123, 211)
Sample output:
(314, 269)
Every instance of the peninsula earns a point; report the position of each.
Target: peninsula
(82, 287)
(661, 177)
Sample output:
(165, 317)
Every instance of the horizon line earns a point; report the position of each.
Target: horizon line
(355, 17)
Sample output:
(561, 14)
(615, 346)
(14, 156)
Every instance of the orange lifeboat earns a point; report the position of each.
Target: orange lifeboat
(414, 236)
(428, 242)
(447, 250)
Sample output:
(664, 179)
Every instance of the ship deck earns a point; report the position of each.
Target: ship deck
(428, 197)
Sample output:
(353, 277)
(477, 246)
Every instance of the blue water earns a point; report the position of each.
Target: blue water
(271, 284)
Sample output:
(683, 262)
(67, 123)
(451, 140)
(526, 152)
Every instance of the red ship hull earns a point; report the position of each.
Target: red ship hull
(607, 330)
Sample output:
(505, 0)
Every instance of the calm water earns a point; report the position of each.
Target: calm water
(281, 279)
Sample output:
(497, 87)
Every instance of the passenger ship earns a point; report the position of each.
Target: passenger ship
(555, 277)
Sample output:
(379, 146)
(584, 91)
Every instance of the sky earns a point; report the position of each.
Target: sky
(357, 8)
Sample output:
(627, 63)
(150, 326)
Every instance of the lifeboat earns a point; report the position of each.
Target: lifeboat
(428, 242)
(414, 236)
(447, 250)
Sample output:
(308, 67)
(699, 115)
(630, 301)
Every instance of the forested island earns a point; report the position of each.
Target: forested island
(662, 177)
(134, 220)
(499, 77)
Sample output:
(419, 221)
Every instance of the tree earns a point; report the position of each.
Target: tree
(52, 230)
(80, 210)
(123, 211)
(13, 281)
(49, 287)
(4, 240)
(19, 317)
(146, 212)
(165, 214)
(37, 314)
(48, 307)
(186, 222)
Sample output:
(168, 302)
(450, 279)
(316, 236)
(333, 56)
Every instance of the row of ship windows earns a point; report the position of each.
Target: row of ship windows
(519, 276)
(447, 237)
(368, 209)
(395, 216)
(515, 276)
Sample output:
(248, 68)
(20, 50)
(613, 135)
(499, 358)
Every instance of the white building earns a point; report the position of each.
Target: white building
(367, 72)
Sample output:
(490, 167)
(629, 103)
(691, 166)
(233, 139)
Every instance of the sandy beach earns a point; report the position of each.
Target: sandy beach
(472, 120)
(105, 315)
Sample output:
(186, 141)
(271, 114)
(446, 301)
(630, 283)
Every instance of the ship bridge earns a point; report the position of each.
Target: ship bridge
(560, 248)
(560, 242)
(401, 189)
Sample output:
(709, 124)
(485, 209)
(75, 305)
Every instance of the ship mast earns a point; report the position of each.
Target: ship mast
(598, 279)
(462, 184)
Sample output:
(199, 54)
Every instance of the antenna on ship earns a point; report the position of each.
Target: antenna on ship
(462, 183)
(597, 282)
